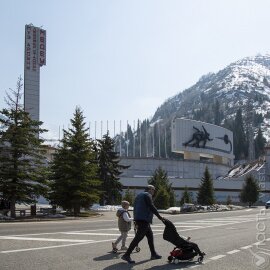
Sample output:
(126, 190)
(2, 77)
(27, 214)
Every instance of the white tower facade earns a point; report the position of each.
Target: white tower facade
(34, 58)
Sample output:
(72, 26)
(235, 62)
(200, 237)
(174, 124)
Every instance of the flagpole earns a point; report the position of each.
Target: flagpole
(146, 141)
(89, 129)
(140, 126)
(114, 135)
(101, 129)
(158, 139)
(120, 139)
(133, 138)
(95, 130)
(127, 138)
(154, 141)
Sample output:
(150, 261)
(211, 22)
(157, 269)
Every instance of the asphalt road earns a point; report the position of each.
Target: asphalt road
(232, 240)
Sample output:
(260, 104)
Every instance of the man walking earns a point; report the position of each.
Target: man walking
(143, 216)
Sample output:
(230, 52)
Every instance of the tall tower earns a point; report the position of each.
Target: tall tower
(34, 58)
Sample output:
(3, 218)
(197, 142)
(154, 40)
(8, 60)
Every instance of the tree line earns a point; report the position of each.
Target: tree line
(165, 196)
(152, 139)
(215, 114)
(82, 172)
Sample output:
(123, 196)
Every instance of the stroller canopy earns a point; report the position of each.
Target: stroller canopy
(171, 235)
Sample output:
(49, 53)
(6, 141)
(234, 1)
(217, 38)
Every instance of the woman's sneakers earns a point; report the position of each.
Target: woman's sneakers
(124, 248)
(114, 247)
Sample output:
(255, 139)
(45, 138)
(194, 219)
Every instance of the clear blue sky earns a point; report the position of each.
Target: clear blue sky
(119, 59)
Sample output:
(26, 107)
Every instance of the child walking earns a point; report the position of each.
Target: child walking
(124, 225)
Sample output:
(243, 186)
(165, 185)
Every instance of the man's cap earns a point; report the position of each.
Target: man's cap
(150, 187)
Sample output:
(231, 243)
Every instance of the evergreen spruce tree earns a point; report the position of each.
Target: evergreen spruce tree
(239, 137)
(257, 119)
(205, 194)
(109, 170)
(250, 191)
(260, 142)
(162, 198)
(229, 124)
(186, 197)
(129, 196)
(143, 137)
(217, 113)
(160, 179)
(129, 140)
(22, 161)
(137, 139)
(74, 180)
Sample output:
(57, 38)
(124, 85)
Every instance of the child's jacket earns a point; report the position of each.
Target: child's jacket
(122, 224)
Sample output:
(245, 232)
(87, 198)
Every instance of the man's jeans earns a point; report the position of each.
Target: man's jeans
(143, 229)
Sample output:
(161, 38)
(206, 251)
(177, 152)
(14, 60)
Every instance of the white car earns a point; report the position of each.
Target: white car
(267, 204)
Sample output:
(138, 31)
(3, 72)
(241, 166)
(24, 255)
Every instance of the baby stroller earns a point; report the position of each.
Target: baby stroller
(184, 250)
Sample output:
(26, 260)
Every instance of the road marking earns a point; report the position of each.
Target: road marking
(233, 251)
(57, 221)
(191, 226)
(218, 225)
(104, 234)
(217, 257)
(40, 248)
(258, 243)
(100, 241)
(42, 239)
(238, 219)
(222, 220)
(32, 234)
(196, 225)
(59, 246)
(246, 247)
(201, 224)
(179, 226)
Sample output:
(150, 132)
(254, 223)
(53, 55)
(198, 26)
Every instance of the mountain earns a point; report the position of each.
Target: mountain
(244, 84)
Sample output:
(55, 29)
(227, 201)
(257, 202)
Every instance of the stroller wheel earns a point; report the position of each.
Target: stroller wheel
(176, 261)
(137, 249)
(170, 258)
(200, 259)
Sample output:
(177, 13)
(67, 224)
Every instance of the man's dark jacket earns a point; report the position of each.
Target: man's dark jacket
(144, 208)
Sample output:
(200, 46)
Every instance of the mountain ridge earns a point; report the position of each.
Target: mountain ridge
(244, 81)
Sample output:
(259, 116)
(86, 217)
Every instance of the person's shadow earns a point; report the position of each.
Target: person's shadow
(170, 266)
(120, 265)
(125, 266)
(108, 256)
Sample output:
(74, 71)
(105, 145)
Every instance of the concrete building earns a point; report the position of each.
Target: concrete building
(215, 152)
